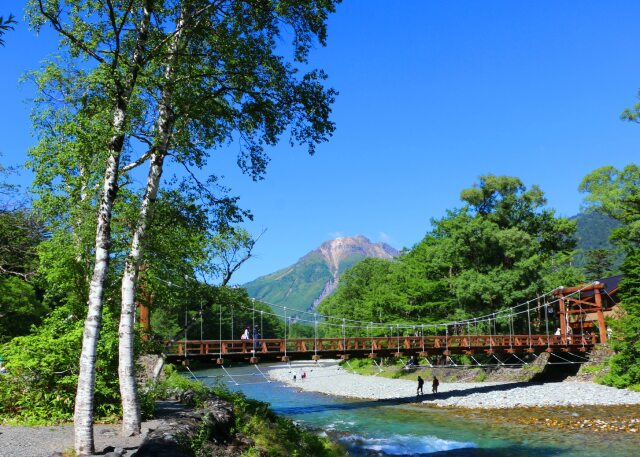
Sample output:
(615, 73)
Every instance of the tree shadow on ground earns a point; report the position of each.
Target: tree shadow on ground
(355, 404)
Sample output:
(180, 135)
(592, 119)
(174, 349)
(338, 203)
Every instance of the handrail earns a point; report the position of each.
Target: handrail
(383, 343)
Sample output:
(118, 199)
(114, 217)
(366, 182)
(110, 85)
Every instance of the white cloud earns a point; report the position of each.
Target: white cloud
(384, 237)
(337, 234)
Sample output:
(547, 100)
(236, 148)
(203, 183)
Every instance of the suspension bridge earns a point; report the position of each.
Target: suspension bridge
(561, 321)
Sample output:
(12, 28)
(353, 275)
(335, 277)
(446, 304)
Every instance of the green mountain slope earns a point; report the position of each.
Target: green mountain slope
(296, 286)
(301, 286)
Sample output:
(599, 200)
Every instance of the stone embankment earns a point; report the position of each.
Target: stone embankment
(329, 378)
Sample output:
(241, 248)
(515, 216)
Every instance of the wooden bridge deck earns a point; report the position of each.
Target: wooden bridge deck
(331, 348)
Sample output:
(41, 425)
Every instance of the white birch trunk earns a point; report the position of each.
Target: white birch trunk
(131, 420)
(84, 404)
(83, 413)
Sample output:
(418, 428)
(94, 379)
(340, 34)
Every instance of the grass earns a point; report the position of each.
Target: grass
(594, 368)
(480, 377)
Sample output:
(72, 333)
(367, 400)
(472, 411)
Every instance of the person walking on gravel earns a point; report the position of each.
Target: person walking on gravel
(434, 385)
(420, 384)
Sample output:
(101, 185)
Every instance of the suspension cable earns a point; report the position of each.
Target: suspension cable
(344, 337)
(315, 336)
(529, 324)
(581, 325)
(491, 319)
(285, 331)
(478, 318)
(491, 336)
(510, 331)
(186, 329)
(253, 325)
(488, 317)
(446, 337)
(546, 323)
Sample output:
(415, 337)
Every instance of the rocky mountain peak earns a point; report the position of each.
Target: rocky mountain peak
(303, 285)
(337, 250)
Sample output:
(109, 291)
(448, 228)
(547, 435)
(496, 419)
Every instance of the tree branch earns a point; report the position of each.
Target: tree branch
(142, 159)
(170, 36)
(116, 35)
(201, 186)
(55, 22)
(230, 270)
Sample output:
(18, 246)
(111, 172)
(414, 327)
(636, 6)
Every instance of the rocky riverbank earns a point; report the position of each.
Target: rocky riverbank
(330, 378)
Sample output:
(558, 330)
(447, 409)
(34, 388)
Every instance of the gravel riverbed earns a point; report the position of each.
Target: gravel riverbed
(329, 378)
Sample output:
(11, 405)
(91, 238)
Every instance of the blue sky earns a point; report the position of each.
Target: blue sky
(432, 95)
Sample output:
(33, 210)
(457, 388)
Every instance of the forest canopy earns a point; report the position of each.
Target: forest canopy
(501, 247)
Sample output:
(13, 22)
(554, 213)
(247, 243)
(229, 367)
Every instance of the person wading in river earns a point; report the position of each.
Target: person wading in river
(420, 384)
(434, 385)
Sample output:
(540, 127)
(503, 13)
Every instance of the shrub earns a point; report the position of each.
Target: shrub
(40, 386)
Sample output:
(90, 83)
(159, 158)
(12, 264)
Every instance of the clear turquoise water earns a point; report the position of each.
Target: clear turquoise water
(369, 428)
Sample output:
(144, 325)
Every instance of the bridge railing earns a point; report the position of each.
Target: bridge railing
(389, 344)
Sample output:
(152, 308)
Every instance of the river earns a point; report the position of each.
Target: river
(368, 428)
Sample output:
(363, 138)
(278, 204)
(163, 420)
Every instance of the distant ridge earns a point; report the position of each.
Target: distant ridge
(593, 232)
(303, 285)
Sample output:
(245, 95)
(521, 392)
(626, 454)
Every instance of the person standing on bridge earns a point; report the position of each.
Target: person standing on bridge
(256, 336)
(245, 335)
(420, 384)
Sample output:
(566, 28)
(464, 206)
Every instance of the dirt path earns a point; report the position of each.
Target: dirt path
(43, 441)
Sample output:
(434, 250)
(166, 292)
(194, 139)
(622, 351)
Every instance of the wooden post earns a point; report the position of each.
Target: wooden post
(563, 319)
(601, 324)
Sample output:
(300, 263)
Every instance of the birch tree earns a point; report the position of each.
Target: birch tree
(177, 79)
(222, 77)
(106, 44)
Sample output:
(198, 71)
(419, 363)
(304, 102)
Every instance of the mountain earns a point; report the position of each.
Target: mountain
(304, 284)
(593, 232)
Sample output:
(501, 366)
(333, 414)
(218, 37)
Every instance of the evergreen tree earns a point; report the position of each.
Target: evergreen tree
(625, 364)
(617, 194)
(598, 263)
